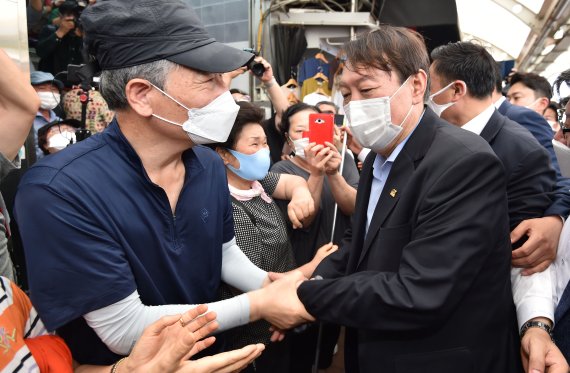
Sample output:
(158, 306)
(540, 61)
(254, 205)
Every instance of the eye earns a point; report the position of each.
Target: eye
(319, 121)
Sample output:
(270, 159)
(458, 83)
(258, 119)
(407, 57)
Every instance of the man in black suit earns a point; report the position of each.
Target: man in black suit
(543, 234)
(464, 74)
(422, 282)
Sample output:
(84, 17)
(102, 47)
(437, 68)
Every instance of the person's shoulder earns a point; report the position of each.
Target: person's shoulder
(72, 160)
(206, 156)
(458, 140)
(283, 165)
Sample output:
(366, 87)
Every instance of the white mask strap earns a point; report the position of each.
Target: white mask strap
(400, 87)
(169, 96)
(441, 90)
(166, 120)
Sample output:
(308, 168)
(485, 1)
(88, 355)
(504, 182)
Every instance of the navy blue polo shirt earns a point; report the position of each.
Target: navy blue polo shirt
(95, 228)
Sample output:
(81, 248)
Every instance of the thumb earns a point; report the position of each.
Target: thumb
(536, 359)
(273, 276)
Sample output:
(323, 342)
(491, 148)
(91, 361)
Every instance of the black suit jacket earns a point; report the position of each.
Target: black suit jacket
(428, 288)
(530, 179)
(540, 129)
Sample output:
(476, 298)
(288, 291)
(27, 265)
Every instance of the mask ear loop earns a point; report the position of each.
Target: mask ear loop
(169, 96)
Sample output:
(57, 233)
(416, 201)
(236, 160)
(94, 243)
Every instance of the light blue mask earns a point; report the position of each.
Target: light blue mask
(251, 166)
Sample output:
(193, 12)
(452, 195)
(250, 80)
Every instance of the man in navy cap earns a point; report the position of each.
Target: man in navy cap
(136, 223)
(48, 89)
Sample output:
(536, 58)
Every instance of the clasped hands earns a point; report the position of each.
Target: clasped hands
(277, 302)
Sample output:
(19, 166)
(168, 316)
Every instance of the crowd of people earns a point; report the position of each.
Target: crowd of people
(169, 226)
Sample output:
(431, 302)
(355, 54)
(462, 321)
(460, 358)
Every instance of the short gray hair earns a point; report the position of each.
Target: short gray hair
(114, 82)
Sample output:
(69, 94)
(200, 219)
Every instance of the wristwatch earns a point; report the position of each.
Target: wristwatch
(536, 324)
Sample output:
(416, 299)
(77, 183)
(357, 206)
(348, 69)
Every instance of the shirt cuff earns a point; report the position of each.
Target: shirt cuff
(363, 153)
(532, 295)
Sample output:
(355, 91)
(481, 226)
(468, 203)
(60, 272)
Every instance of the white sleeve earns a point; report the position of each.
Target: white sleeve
(363, 153)
(238, 271)
(561, 265)
(532, 295)
(121, 324)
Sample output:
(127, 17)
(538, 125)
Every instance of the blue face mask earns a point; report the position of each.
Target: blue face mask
(251, 166)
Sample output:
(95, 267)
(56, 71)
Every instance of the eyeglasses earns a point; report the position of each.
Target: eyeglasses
(562, 116)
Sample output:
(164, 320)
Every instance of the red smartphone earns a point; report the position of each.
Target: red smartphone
(321, 128)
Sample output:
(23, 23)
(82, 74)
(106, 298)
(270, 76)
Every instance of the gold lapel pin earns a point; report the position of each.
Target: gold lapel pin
(393, 193)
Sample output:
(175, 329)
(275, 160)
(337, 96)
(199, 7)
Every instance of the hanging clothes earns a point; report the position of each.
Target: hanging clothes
(314, 98)
(311, 85)
(310, 67)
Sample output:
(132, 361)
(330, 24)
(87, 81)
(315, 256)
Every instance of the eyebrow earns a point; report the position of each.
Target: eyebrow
(361, 78)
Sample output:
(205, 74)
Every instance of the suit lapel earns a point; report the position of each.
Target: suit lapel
(401, 171)
(492, 127)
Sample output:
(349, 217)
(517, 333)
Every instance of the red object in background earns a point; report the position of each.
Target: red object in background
(320, 128)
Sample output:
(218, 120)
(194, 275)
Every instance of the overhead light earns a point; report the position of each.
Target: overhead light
(547, 49)
(517, 8)
(559, 34)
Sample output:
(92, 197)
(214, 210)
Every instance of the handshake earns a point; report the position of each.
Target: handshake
(277, 302)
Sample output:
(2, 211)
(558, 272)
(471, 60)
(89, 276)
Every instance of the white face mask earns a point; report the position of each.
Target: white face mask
(370, 121)
(61, 140)
(210, 124)
(439, 108)
(300, 146)
(49, 100)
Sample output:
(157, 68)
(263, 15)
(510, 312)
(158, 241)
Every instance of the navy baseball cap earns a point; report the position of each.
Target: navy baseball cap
(41, 77)
(121, 33)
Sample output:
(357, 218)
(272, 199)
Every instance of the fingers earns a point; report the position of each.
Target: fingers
(191, 314)
(292, 212)
(277, 335)
(200, 346)
(519, 232)
(158, 326)
(536, 269)
(273, 276)
(226, 362)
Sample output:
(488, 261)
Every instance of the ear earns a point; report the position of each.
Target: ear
(419, 84)
(226, 156)
(459, 90)
(543, 104)
(138, 93)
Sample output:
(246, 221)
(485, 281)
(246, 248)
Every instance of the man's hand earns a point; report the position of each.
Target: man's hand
(300, 207)
(268, 73)
(536, 254)
(66, 24)
(540, 354)
(284, 311)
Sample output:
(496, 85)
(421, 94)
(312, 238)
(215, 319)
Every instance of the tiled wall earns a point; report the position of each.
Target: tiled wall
(225, 20)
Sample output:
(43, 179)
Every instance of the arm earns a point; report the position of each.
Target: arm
(274, 91)
(302, 208)
(18, 106)
(167, 344)
(344, 194)
(427, 264)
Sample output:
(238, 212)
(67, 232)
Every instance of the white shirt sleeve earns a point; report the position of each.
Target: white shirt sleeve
(363, 153)
(532, 295)
(121, 324)
(238, 271)
(561, 265)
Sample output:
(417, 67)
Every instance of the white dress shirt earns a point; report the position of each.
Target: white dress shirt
(533, 295)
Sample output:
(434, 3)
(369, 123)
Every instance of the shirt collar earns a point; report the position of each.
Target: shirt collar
(477, 124)
(52, 115)
(500, 101)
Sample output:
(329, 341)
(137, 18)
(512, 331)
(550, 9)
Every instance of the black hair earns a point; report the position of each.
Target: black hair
(564, 77)
(248, 113)
(537, 83)
(292, 110)
(468, 62)
(237, 90)
(330, 103)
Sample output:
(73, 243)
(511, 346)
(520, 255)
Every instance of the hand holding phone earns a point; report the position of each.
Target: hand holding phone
(321, 128)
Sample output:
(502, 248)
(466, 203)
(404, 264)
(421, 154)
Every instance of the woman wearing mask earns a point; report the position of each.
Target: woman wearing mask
(260, 229)
(319, 165)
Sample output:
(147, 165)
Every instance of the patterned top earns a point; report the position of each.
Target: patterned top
(261, 233)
